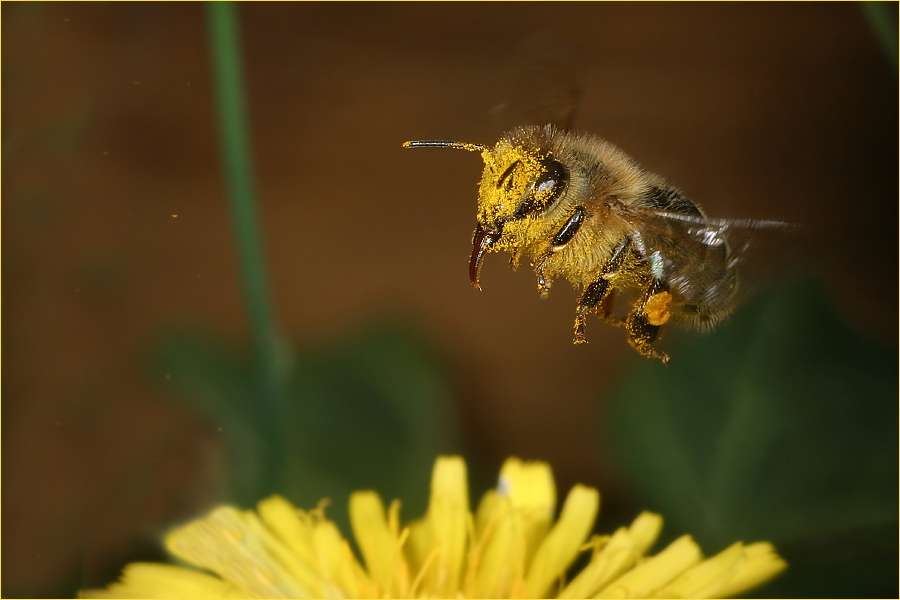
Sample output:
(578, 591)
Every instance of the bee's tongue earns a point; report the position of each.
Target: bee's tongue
(483, 240)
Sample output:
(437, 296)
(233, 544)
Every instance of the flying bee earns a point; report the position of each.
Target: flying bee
(578, 208)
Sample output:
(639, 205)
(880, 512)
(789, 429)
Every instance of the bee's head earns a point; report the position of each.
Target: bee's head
(520, 181)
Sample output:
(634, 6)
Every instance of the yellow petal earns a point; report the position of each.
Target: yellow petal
(761, 564)
(614, 557)
(294, 529)
(149, 580)
(283, 519)
(378, 540)
(237, 546)
(733, 571)
(561, 545)
(497, 558)
(654, 573)
(645, 530)
(708, 578)
(438, 542)
(528, 484)
(418, 549)
(337, 564)
(486, 513)
(327, 564)
(510, 524)
(532, 495)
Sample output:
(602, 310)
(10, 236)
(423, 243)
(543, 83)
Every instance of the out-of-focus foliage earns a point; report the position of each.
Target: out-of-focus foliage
(780, 426)
(369, 412)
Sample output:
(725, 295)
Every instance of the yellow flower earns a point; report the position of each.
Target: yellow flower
(509, 548)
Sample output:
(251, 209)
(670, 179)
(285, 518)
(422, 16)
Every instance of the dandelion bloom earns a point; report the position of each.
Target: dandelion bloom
(509, 548)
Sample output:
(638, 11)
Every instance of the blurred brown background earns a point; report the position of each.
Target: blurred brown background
(778, 111)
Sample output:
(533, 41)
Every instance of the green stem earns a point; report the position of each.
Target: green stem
(222, 23)
(884, 26)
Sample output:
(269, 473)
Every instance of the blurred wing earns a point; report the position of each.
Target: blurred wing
(543, 85)
(709, 265)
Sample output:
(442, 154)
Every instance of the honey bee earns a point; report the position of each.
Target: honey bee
(578, 208)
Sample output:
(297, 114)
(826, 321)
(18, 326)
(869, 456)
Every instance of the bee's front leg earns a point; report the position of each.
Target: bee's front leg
(648, 315)
(557, 243)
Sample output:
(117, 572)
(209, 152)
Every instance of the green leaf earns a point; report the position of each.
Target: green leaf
(780, 426)
(369, 412)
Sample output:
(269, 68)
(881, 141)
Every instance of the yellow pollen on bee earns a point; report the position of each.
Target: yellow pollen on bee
(657, 308)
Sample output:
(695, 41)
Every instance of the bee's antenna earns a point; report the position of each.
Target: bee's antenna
(445, 144)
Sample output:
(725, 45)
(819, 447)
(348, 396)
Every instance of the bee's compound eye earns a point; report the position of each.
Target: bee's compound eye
(546, 189)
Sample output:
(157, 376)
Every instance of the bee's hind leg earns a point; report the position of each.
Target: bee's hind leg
(650, 313)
